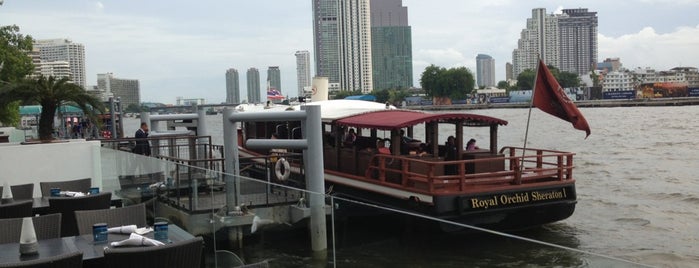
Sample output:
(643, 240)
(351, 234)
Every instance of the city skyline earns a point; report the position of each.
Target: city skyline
(180, 53)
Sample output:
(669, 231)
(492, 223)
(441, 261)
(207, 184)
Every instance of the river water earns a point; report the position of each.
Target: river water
(638, 200)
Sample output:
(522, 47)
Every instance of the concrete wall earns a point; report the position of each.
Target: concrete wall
(76, 159)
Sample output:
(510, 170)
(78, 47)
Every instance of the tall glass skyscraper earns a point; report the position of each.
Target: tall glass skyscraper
(253, 78)
(391, 45)
(232, 86)
(303, 70)
(274, 78)
(326, 39)
(485, 71)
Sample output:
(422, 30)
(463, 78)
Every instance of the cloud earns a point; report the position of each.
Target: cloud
(647, 48)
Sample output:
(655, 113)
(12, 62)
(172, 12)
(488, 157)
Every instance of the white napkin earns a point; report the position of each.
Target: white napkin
(126, 229)
(72, 194)
(143, 230)
(137, 240)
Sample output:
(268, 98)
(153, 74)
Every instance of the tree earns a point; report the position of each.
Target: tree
(133, 108)
(454, 83)
(50, 93)
(345, 93)
(503, 84)
(393, 95)
(15, 64)
(525, 79)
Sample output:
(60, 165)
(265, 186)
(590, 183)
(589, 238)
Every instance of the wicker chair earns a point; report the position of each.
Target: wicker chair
(185, 254)
(45, 226)
(68, 205)
(114, 217)
(18, 209)
(22, 191)
(67, 260)
(79, 185)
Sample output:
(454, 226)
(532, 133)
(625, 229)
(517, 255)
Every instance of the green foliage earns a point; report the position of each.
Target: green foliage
(525, 79)
(9, 114)
(344, 93)
(393, 95)
(454, 83)
(15, 65)
(504, 85)
(133, 108)
(50, 93)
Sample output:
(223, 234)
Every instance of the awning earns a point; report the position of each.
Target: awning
(395, 119)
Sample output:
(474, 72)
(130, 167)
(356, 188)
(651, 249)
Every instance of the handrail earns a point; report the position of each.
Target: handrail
(539, 165)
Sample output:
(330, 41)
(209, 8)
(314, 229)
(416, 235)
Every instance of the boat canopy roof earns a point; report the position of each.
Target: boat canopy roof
(332, 110)
(395, 119)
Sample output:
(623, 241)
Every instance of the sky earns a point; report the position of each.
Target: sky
(177, 48)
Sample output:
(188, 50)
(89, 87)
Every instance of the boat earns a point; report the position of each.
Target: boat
(503, 188)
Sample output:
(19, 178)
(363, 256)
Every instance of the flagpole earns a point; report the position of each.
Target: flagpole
(529, 116)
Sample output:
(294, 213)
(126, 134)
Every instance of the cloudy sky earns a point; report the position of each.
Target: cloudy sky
(178, 48)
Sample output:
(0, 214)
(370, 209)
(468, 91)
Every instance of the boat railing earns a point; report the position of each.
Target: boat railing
(433, 175)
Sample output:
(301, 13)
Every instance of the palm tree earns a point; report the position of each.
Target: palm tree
(50, 93)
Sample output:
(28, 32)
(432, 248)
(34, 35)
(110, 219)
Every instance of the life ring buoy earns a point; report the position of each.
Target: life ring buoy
(282, 175)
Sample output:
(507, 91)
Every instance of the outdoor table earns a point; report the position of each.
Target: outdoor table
(93, 253)
(41, 204)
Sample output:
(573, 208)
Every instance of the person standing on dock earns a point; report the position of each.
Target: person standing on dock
(142, 144)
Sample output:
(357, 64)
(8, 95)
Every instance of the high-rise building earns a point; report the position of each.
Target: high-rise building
(303, 70)
(274, 78)
(57, 69)
(326, 39)
(578, 40)
(567, 41)
(354, 32)
(391, 45)
(253, 78)
(128, 90)
(232, 86)
(485, 71)
(538, 40)
(508, 72)
(64, 50)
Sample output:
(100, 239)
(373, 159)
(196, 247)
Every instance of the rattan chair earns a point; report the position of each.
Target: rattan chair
(45, 227)
(67, 260)
(68, 205)
(16, 209)
(184, 254)
(79, 185)
(22, 191)
(114, 217)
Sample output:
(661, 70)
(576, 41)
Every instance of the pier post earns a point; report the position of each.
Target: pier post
(315, 178)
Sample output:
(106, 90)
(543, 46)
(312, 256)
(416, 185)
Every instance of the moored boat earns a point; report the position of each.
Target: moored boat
(496, 187)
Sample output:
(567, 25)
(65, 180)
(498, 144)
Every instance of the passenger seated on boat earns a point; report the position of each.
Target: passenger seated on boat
(350, 137)
(450, 155)
(421, 150)
(407, 143)
(381, 147)
(471, 145)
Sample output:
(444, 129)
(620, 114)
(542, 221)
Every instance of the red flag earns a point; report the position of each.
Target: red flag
(550, 98)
